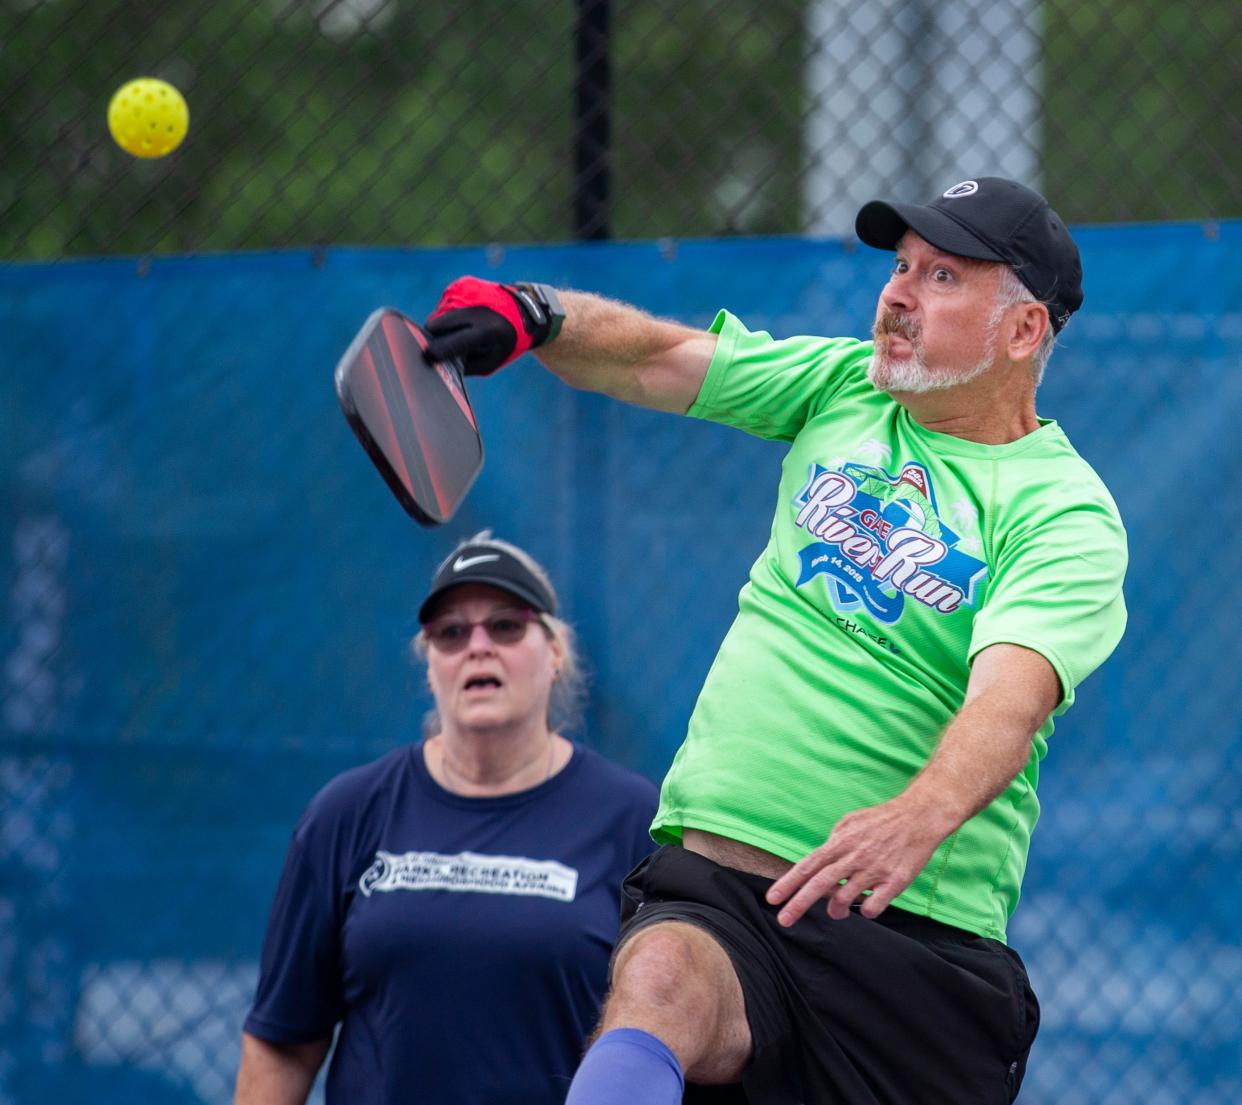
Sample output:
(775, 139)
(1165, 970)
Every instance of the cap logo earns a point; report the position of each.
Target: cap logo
(966, 188)
(464, 562)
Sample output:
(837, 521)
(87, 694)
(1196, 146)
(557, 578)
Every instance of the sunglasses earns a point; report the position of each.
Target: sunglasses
(505, 627)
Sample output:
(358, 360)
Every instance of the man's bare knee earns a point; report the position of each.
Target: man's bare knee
(669, 965)
(674, 980)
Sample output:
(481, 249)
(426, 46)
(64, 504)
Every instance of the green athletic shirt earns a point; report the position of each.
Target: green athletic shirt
(896, 555)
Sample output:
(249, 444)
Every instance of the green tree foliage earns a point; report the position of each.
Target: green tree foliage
(396, 122)
(1143, 109)
(307, 126)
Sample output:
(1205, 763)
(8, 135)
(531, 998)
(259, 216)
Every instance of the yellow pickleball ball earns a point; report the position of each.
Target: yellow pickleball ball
(148, 117)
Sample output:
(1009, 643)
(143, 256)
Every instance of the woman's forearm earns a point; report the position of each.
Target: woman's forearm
(277, 1074)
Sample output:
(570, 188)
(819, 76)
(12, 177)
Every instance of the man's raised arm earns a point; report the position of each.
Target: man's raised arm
(588, 341)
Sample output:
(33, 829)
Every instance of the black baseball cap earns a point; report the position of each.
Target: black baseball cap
(485, 562)
(991, 219)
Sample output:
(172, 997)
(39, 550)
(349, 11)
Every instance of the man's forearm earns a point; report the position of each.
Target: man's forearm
(978, 756)
(988, 742)
(616, 349)
(883, 848)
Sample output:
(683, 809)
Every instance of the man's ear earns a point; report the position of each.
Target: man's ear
(1028, 325)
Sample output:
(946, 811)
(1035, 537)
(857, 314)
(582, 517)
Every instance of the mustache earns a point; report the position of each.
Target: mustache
(901, 325)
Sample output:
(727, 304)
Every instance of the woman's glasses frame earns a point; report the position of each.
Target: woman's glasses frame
(503, 627)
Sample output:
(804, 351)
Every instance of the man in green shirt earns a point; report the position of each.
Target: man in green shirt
(943, 570)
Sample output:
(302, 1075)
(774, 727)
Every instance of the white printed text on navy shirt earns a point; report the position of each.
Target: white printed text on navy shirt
(469, 872)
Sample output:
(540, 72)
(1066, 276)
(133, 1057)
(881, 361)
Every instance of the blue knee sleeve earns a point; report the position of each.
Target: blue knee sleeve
(625, 1066)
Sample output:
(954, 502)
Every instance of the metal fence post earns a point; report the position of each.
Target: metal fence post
(592, 110)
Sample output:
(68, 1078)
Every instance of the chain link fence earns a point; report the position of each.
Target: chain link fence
(389, 122)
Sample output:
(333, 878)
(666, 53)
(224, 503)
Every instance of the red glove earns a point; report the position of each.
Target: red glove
(486, 325)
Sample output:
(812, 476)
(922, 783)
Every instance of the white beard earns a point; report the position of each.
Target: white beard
(911, 373)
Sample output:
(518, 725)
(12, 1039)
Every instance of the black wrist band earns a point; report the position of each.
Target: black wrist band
(544, 307)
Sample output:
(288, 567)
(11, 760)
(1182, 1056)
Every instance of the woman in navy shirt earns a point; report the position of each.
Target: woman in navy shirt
(452, 906)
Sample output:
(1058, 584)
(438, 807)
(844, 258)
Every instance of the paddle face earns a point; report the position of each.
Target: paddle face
(413, 419)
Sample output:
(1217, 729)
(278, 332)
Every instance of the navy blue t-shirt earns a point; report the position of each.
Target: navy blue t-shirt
(462, 943)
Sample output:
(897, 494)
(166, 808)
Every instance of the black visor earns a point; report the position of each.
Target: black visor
(485, 563)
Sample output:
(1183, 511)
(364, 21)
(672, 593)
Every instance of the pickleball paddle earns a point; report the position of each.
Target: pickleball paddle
(414, 419)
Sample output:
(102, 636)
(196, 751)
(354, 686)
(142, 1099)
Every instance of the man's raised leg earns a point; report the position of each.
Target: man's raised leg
(675, 1012)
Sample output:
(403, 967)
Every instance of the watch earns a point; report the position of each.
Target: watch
(544, 306)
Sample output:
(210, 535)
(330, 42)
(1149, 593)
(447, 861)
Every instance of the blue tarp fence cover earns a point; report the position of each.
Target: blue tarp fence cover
(208, 598)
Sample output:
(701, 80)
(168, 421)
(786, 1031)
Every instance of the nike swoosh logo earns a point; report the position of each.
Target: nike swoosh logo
(464, 562)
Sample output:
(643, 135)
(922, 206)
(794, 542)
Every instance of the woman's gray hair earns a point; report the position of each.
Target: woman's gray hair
(569, 692)
(1010, 292)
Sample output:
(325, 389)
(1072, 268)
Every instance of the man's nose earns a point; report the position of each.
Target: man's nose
(898, 293)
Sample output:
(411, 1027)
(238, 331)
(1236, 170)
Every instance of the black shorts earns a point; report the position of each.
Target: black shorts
(900, 1010)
